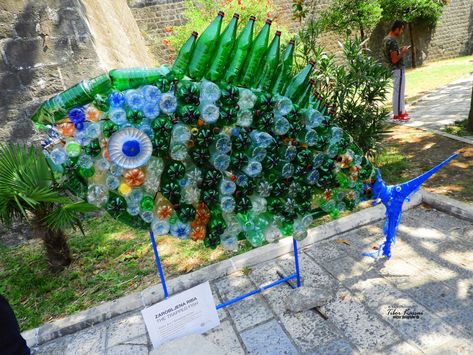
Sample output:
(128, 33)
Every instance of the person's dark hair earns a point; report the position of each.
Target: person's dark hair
(397, 24)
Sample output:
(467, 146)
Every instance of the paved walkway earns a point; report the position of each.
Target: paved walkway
(443, 106)
(431, 272)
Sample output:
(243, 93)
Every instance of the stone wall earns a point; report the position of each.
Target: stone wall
(453, 36)
(153, 18)
(47, 46)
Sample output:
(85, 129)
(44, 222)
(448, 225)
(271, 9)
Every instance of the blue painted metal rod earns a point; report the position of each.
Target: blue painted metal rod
(258, 290)
(158, 264)
(296, 276)
(296, 261)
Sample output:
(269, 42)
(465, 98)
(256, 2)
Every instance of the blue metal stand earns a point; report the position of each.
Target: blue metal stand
(295, 275)
(158, 264)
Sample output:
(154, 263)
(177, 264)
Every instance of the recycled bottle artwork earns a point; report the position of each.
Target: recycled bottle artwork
(227, 144)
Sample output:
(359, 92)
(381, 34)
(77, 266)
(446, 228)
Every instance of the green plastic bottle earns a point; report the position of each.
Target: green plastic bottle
(224, 49)
(303, 100)
(270, 63)
(299, 82)
(240, 51)
(204, 48)
(255, 55)
(179, 69)
(123, 79)
(284, 69)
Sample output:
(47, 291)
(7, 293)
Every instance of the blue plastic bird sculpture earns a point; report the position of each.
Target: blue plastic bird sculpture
(393, 198)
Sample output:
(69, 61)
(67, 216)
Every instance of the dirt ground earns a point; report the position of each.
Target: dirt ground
(422, 150)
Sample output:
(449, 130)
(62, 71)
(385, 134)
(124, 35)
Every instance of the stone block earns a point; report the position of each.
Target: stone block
(268, 338)
(305, 298)
(128, 350)
(14, 99)
(18, 130)
(9, 81)
(86, 342)
(359, 324)
(252, 310)
(427, 332)
(123, 330)
(307, 329)
(335, 347)
(326, 251)
(24, 54)
(226, 338)
(54, 347)
(194, 344)
(42, 81)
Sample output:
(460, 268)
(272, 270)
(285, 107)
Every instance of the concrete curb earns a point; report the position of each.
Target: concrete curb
(448, 205)
(151, 295)
(441, 133)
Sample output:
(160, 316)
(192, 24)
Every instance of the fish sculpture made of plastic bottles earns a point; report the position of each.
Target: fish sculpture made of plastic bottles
(227, 144)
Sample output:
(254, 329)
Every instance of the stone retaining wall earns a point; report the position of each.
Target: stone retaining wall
(453, 36)
(46, 46)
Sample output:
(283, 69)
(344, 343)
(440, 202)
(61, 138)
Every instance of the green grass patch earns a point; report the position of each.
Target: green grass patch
(458, 128)
(110, 261)
(392, 165)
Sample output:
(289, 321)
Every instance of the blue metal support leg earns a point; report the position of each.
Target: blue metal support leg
(158, 264)
(295, 275)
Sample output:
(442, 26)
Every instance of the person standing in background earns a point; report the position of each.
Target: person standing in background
(394, 57)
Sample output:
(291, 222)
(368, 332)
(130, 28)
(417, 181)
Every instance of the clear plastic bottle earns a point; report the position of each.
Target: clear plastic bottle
(209, 92)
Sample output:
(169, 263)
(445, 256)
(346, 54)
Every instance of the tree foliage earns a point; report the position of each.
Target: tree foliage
(199, 13)
(413, 11)
(348, 16)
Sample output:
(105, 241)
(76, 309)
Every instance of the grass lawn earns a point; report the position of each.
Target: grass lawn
(409, 152)
(434, 75)
(458, 128)
(110, 261)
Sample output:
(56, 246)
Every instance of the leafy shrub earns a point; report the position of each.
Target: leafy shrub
(359, 92)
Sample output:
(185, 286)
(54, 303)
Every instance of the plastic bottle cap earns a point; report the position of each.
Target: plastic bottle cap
(236, 15)
(268, 21)
(195, 34)
(221, 13)
(278, 33)
(252, 18)
(312, 62)
(292, 41)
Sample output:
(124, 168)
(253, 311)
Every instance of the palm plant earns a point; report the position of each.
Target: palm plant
(29, 192)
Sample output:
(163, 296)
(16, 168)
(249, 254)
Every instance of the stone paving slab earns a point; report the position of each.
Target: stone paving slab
(431, 271)
(268, 339)
(443, 106)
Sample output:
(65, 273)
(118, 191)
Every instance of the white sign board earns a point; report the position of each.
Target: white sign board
(191, 311)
